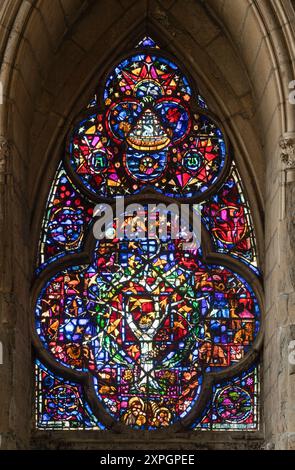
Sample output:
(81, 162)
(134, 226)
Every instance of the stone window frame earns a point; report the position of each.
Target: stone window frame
(116, 432)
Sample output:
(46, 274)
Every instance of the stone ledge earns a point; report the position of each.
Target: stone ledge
(105, 440)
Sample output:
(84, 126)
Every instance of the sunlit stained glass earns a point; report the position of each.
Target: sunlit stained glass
(146, 132)
(227, 217)
(234, 405)
(61, 403)
(67, 216)
(147, 319)
(147, 42)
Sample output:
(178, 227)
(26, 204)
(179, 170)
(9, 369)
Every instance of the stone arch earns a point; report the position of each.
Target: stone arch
(240, 54)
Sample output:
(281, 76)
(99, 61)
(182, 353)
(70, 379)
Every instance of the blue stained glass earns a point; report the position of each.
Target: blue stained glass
(234, 405)
(147, 42)
(60, 404)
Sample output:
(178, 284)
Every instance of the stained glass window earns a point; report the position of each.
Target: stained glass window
(155, 328)
(61, 404)
(68, 214)
(233, 405)
(144, 132)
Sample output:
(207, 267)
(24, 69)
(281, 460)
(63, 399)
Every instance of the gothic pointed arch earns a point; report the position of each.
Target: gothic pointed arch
(146, 333)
